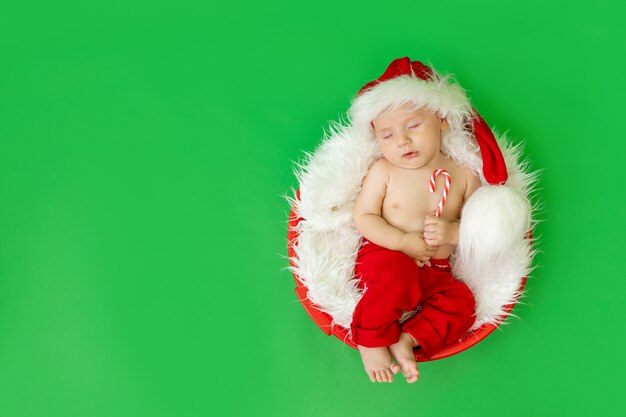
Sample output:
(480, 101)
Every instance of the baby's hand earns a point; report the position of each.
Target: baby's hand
(438, 231)
(413, 244)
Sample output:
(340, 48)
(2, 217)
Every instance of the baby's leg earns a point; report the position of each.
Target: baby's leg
(447, 311)
(402, 351)
(377, 363)
(390, 279)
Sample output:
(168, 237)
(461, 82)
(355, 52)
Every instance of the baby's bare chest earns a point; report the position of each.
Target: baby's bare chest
(408, 200)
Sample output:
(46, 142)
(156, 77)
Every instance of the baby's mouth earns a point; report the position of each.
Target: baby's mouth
(410, 154)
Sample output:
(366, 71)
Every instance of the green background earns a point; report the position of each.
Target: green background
(144, 151)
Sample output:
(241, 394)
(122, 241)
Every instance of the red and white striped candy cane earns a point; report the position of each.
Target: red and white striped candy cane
(446, 188)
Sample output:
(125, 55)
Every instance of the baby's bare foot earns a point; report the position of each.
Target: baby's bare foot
(402, 351)
(377, 362)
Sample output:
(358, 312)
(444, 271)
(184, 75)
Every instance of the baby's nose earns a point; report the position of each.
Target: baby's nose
(403, 139)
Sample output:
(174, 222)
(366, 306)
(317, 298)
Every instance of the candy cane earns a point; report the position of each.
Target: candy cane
(446, 188)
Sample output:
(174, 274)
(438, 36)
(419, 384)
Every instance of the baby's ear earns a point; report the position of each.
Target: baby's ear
(444, 124)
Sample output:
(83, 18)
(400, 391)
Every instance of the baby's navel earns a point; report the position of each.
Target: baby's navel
(395, 205)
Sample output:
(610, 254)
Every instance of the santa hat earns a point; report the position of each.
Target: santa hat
(413, 82)
(494, 252)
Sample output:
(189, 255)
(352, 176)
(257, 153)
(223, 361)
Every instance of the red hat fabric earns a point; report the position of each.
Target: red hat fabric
(400, 66)
(494, 166)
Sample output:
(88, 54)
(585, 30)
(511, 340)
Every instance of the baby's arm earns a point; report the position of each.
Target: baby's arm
(370, 223)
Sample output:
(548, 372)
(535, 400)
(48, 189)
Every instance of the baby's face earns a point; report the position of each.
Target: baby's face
(409, 138)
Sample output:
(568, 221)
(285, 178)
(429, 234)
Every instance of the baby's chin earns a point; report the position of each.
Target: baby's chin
(408, 168)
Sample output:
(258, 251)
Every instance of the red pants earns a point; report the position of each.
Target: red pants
(394, 283)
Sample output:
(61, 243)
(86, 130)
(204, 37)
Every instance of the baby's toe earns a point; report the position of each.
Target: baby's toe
(412, 378)
(386, 374)
(412, 375)
(379, 377)
(389, 375)
(395, 368)
(383, 376)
